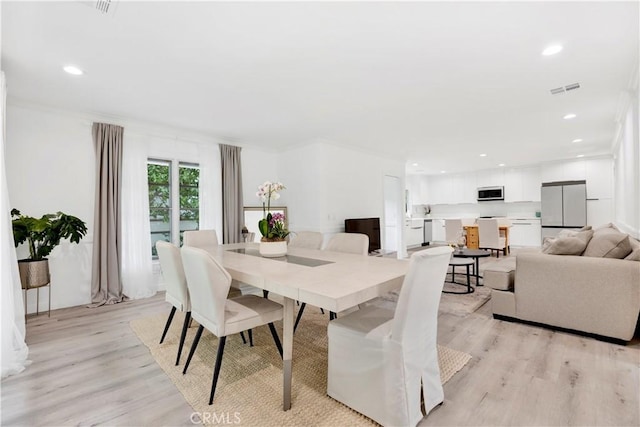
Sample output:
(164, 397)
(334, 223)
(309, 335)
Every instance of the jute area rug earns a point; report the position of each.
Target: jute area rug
(249, 390)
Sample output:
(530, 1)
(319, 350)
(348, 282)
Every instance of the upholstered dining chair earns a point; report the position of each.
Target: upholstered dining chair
(349, 243)
(306, 239)
(489, 235)
(203, 239)
(177, 293)
(209, 284)
(208, 240)
(453, 230)
(377, 366)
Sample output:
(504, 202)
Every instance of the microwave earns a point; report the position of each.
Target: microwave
(490, 193)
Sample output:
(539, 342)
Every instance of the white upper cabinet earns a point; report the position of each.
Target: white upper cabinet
(599, 175)
(566, 171)
(522, 185)
(418, 189)
(531, 184)
(490, 178)
(441, 189)
(512, 185)
(463, 188)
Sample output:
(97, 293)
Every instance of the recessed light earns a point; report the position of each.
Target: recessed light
(483, 155)
(580, 155)
(72, 69)
(577, 140)
(443, 171)
(414, 164)
(552, 50)
(569, 116)
(501, 164)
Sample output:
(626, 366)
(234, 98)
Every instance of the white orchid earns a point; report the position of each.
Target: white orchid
(266, 192)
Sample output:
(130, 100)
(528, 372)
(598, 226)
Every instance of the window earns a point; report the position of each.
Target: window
(170, 181)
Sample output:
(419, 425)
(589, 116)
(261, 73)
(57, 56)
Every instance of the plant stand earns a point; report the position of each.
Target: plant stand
(34, 275)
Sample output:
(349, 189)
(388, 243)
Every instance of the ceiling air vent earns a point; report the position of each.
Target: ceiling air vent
(103, 5)
(563, 89)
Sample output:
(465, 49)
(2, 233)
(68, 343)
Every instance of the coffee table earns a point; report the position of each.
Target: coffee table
(475, 254)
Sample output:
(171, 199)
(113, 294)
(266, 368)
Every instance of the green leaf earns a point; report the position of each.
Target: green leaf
(263, 226)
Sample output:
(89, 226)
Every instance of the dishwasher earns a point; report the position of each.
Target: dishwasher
(426, 232)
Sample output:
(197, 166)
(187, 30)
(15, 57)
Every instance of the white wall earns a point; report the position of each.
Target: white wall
(627, 168)
(327, 183)
(258, 166)
(51, 167)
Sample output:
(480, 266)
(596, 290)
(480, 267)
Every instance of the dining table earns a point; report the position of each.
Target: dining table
(333, 281)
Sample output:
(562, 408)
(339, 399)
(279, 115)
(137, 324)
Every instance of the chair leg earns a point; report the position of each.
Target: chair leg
(250, 338)
(185, 327)
(265, 293)
(244, 340)
(216, 369)
(274, 334)
(332, 315)
(299, 316)
(196, 339)
(166, 326)
(321, 310)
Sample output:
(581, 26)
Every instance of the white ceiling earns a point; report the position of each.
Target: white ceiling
(436, 83)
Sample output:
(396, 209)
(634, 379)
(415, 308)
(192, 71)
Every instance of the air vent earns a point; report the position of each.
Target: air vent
(572, 87)
(103, 5)
(563, 89)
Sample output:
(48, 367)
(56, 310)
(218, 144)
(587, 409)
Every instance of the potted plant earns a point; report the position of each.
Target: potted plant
(42, 235)
(272, 227)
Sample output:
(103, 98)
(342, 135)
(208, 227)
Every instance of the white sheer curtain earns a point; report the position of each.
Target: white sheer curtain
(14, 349)
(136, 264)
(210, 187)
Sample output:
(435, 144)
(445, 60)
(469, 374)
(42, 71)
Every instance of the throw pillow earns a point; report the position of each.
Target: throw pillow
(634, 255)
(608, 243)
(571, 243)
(635, 250)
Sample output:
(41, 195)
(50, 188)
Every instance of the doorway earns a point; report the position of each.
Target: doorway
(393, 206)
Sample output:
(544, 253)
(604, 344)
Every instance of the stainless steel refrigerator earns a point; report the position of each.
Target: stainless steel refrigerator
(563, 205)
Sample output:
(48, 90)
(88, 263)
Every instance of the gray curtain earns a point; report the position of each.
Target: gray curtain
(232, 204)
(106, 284)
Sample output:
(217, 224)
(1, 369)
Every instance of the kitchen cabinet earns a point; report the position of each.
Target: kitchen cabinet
(530, 179)
(525, 232)
(522, 185)
(599, 176)
(490, 178)
(437, 231)
(440, 190)
(463, 188)
(413, 232)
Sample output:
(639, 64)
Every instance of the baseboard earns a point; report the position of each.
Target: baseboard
(559, 329)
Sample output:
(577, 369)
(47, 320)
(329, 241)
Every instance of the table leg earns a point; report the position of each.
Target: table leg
(478, 272)
(287, 352)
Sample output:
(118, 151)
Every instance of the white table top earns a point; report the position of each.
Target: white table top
(344, 283)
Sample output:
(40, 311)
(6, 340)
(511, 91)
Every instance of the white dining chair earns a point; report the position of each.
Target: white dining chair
(453, 230)
(177, 293)
(306, 239)
(209, 284)
(208, 240)
(489, 236)
(348, 243)
(204, 239)
(380, 360)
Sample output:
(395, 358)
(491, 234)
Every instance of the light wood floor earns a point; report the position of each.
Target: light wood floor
(90, 369)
